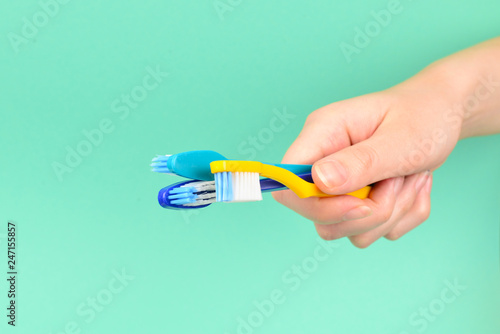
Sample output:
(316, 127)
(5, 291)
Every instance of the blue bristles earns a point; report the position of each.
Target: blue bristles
(193, 194)
(218, 189)
(160, 164)
(224, 187)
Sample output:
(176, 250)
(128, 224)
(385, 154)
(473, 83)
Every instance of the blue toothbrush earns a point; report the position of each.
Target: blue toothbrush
(196, 194)
(196, 165)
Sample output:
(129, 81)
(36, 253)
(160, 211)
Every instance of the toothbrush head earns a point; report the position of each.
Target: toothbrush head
(160, 164)
(192, 194)
(246, 184)
(238, 187)
(192, 164)
(195, 194)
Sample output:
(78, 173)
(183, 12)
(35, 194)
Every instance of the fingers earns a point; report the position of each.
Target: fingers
(317, 140)
(405, 202)
(325, 210)
(336, 213)
(369, 161)
(357, 142)
(326, 130)
(416, 216)
(381, 203)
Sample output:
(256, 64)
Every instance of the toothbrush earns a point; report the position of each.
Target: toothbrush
(196, 164)
(195, 194)
(237, 181)
(192, 165)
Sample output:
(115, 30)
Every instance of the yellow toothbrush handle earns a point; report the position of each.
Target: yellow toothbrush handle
(305, 189)
(360, 193)
(299, 186)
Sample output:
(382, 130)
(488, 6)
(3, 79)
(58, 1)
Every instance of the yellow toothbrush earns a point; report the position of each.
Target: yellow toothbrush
(238, 181)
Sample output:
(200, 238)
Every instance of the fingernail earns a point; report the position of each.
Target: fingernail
(331, 173)
(357, 213)
(398, 184)
(428, 185)
(421, 180)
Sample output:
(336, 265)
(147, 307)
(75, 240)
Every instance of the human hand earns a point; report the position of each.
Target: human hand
(396, 138)
(360, 141)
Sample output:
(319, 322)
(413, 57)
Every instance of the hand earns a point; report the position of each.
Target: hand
(395, 138)
(386, 137)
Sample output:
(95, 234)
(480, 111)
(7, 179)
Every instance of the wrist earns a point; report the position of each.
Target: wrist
(466, 89)
(472, 78)
(459, 91)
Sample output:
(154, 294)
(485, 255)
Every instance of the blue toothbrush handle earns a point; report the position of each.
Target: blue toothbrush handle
(296, 169)
(269, 185)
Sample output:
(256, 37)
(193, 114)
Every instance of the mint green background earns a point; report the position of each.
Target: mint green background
(199, 273)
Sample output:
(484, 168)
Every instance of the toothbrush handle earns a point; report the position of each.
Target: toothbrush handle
(296, 169)
(302, 171)
(269, 185)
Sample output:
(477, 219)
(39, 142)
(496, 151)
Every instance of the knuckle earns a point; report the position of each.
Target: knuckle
(278, 196)
(328, 233)
(422, 209)
(405, 204)
(361, 241)
(385, 215)
(326, 145)
(422, 213)
(393, 235)
(323, 217)
(365, 156)
(326, 236)
(314, 116)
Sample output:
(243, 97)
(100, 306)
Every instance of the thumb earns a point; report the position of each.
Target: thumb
(377, 158)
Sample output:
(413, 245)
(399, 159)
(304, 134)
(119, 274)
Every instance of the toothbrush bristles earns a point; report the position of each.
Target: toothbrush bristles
(159, 164)
(237, 187)
(227, 187)
(193, 194)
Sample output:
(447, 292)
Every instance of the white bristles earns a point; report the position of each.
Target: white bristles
(246, 187)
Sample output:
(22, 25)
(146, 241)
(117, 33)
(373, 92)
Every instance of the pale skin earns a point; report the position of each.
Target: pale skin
(394, 138)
